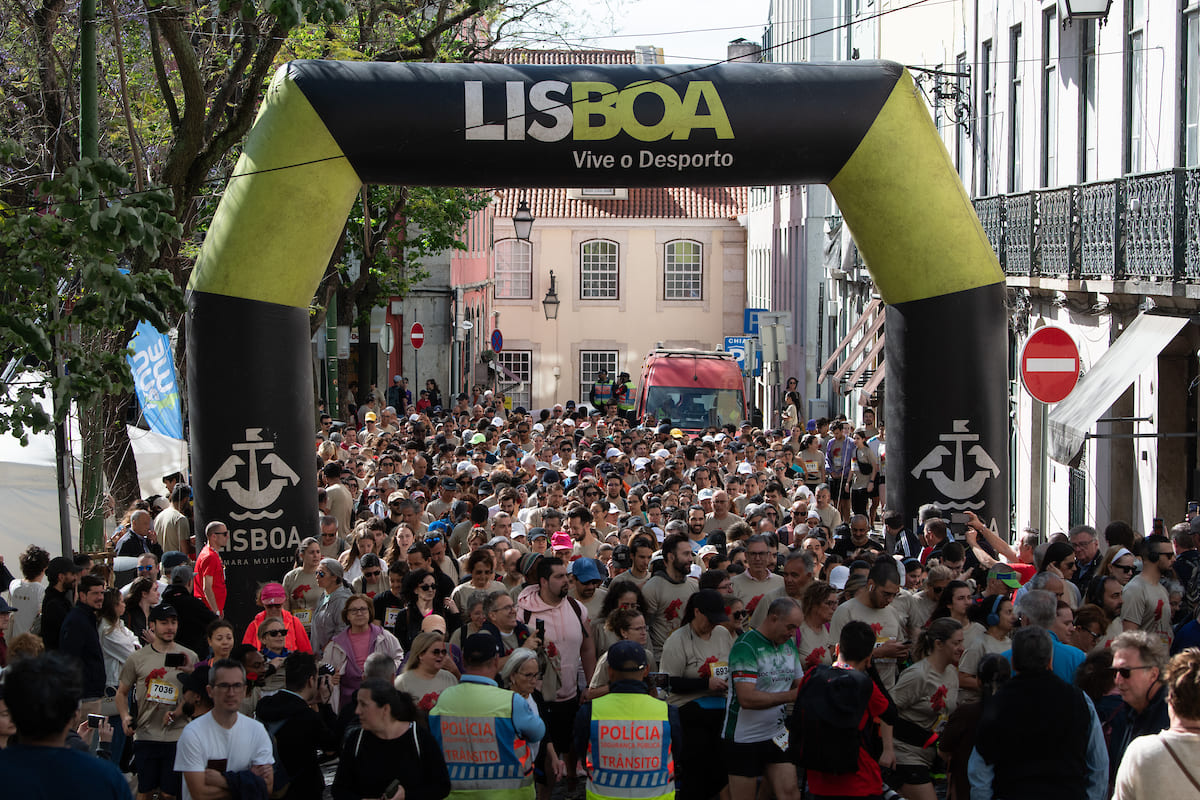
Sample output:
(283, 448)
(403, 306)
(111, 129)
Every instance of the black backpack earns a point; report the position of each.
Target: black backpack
(827, 721)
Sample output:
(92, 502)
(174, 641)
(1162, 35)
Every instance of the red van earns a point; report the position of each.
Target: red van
(695, 389)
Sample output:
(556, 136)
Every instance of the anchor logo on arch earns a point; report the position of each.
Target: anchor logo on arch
(255, 495)
(956, 485)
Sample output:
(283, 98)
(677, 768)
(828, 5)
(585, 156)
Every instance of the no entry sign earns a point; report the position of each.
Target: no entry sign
(417, 336)
(1049, 364)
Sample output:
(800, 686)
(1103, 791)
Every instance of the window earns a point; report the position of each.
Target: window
(590, 364)
(1089, 165)
(514, 270)
(598, 192)
(598, 270)
(517, 381)
(683, 271)
(986, 110)
(1049, 98)
(1135, 86)
(1191, 87)
(1015, 111)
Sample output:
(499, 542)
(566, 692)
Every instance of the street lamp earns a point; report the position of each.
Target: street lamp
(550, 301)
(523, 221)
(1072, 10)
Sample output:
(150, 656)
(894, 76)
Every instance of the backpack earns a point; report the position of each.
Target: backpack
(827, 720)
(1191, 593)
(552, 677)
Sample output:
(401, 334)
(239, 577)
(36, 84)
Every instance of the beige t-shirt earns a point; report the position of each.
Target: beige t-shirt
(979, 647)
(815, 646)
(1148, 606)
(664, 605)
(601, 678)
(883, 621)
(746, 588)
(158, 692)
(420, 688)
(917, 611)
(1148, 770)
(302, 602)
(712, 524)
(685, 653)
(926, 697)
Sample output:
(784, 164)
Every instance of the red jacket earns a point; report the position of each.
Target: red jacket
(297, 638)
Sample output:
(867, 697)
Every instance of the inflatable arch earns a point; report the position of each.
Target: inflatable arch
(326, 128)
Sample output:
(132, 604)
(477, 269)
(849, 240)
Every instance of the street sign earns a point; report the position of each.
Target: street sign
(497, 341)
(741, 346)
(417, 336)
(1049, 364)
(750, 321)
(387, 340)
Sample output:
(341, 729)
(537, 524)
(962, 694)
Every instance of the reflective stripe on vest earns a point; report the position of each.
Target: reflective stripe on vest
(626, 403)
(473, 725)
(604, 391)
(630, 748)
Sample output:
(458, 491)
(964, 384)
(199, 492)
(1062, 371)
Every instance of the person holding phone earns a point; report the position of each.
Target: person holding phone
(153, 672)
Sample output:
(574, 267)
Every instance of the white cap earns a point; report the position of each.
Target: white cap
(539, 427)
(838, 576)
(706, 494)
(569, 421)
(498, 422)
(744, 468)
(613, 453)
(661, 453)
(641, 463)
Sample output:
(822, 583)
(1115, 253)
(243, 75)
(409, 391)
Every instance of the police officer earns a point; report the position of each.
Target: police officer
(603, 393)
(626, 397)
(478, 725)
(628, 734)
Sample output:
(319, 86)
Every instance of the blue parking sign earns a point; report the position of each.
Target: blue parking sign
(750, 321)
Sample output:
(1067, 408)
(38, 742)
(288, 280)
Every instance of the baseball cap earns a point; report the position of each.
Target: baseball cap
(528, 561)
(561, 541)
(164, 611)
(480, 647)
(495, 540)
(478, 438)
(705, 494)
(707, 550)
(711, 604)
(5, 608)
(626, 656)
(838, 576)
(744, 468)
(551, 476)
(641, 462)
(370, 417)
(273, 594)
(450, 484)
(585, 571)
(1006, 575)
(613, 452)
(537, 532)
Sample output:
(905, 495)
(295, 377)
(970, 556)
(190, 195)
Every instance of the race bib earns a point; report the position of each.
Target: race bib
(303, 616)
(720, 670)
(781, 740)
(162, 692)
(881, 639)
(390, 616)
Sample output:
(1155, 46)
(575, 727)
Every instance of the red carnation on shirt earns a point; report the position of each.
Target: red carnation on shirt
(673, 609)
(155, 674)
(877, 627)
(428, 701)
(300, 591)
(938, 701)
(1158, 611)
(706, 667)
(753, 604)
(551, 650)
(814, 658)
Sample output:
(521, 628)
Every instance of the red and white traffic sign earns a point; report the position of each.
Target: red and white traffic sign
(417, 336)
(1049, 364)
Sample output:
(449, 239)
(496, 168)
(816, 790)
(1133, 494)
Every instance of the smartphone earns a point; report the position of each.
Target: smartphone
(1193, 508)
(175, 660)
(391, 789)
(540, 626)
(94, 720)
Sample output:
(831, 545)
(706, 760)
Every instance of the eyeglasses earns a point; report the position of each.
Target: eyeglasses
(358, 610)
(1070, 564)
(502, 609)
(395, 504)
(1094, 634)
(373, 573)
(758, 554)
(320, 573)
(1123, 567)
(1164, 554)
(145, 568)
(740, 614)
(1083, 544)
(431, 540)
(440, 651)
(1126, 672)
(428, 587)
(229, 687)
(275, 633)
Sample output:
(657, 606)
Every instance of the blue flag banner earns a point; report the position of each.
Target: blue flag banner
(153, 371)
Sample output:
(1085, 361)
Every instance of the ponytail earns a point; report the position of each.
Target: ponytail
(940, 630)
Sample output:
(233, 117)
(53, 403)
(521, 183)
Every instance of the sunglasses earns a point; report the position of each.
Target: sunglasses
(1122, 567)
(427, 587)
(740, 614)
(440, 651)
(1126, 672)
(145, 568)
(373, 573)
(431, 540)
(275, 633)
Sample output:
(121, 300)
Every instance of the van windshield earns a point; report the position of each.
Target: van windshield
(695, 408)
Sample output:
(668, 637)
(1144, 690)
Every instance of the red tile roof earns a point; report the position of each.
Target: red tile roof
(710, 202)
(531, 56)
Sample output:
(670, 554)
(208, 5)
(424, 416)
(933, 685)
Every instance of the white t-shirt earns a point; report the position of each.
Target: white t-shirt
(27, 600)
(244, 745)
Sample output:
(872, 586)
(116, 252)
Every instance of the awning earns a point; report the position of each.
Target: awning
(1132, 352)
(868, 328)
(865, 394)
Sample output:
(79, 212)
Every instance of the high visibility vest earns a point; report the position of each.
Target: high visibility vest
(473, 724)
(629, 750)
(604, 392)
(627, 401)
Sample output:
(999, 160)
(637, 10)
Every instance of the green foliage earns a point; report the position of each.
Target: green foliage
(69, 286)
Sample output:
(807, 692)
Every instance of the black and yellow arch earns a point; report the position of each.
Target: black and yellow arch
(326, 128)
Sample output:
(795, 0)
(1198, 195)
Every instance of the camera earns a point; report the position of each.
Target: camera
(326, 669)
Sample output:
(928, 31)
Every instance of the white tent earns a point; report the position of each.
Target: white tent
(29, 495)
(156, 456)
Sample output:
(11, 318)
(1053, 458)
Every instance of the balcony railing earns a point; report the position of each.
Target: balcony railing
(1143, 227)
